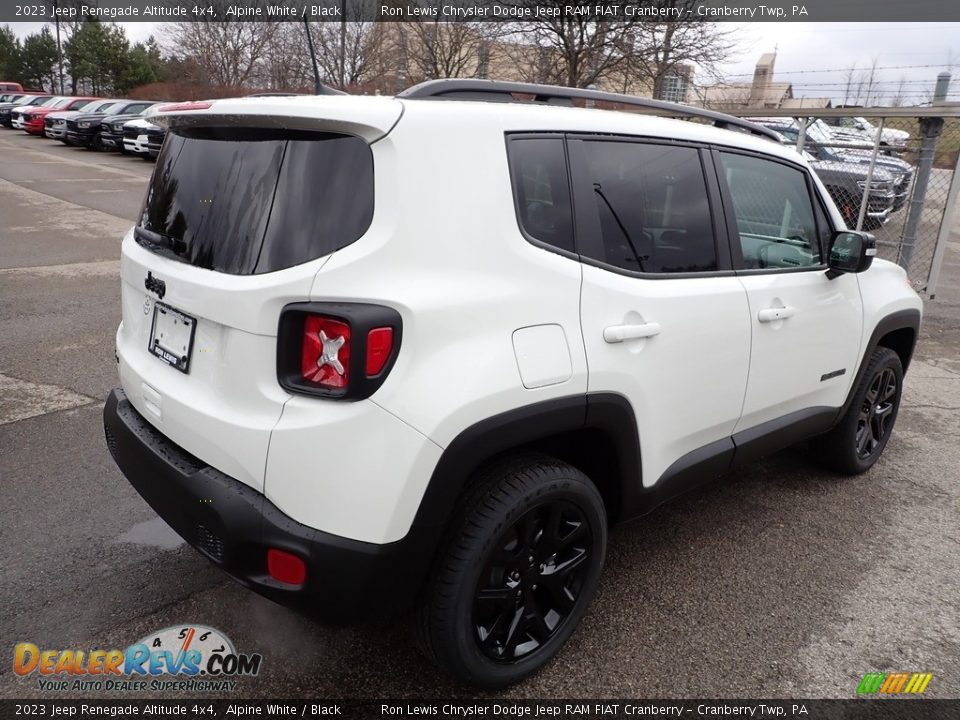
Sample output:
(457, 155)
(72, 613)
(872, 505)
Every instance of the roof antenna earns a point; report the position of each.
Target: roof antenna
(319, 87)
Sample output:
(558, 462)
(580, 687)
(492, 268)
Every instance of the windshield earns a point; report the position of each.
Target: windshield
(62, 102)
(248, 201)
(90, 106)
(40, 100)
(819, 131)
(103, 107)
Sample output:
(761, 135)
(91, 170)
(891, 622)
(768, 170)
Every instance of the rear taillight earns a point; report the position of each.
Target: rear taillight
(342, 350)
(325, 355)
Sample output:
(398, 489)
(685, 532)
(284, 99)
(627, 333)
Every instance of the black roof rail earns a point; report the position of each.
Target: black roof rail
(500, 91)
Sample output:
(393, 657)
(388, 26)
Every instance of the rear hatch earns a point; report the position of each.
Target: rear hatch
(248, 200)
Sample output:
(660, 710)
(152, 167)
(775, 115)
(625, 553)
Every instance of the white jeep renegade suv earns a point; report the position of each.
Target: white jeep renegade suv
(420, 352)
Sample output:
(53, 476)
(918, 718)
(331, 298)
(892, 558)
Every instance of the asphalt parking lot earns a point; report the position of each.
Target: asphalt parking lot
(779, 581)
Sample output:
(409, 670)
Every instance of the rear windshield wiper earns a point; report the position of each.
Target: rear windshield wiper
(149, 237)
(633, 248)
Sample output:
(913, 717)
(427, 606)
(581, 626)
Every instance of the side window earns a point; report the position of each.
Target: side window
(773, 211)
(653, 206)
(541, 190)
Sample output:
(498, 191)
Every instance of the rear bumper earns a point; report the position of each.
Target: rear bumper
(233, 525)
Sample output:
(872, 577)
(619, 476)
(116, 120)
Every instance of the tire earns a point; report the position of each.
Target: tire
(858, 440)
(97, 143)
(532, 534)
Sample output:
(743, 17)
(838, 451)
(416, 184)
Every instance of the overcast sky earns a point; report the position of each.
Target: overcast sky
(813, 56)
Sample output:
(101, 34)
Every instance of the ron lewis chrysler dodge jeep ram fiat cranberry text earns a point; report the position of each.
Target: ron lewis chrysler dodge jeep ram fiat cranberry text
(421, 351)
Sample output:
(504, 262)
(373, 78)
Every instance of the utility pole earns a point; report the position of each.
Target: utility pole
(930, 129)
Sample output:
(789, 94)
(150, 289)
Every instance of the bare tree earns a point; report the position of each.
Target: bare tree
(437, 49)
(347, 51)
(899, 96)
(661, 48)
(624, 53)
(227, 51)
(579, 52)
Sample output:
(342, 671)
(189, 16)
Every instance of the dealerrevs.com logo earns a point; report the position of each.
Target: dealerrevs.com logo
(895, 683)
(179, 658)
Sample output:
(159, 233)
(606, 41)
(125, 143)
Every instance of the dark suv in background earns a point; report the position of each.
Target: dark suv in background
(85, 130)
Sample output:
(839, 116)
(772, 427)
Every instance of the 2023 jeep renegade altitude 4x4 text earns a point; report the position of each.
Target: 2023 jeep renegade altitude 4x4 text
(391, 353)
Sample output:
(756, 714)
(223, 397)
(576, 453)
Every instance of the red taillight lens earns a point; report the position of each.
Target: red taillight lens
(286, 567)
(379, 346)
(325, 354)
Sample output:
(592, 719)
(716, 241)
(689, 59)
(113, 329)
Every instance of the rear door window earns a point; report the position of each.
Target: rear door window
(244, 201)
(653, 207)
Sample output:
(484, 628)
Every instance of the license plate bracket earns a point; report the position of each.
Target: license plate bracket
(171, 336)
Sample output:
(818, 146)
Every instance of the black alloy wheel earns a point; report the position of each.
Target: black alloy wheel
(531, 583)
(516, 571)
(859, 437)
(874, 423)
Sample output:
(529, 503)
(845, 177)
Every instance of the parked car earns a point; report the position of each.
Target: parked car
(846, 182)
(143, 138)
(111, 128)
(33, 119)
(55, 124)
(7, 86)
(11, 97)
(85, 129)
(864, 130)
(155, 137)
(599, 311)
(820, 141)
(17, 113)
(6, 109)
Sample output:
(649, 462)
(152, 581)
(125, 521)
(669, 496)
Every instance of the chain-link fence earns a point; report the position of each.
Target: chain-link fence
(892, 172)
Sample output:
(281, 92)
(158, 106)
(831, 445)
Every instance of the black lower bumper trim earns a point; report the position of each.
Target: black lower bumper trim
(233, 525)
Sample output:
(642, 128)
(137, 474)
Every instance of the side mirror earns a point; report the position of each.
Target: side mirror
(850, 252)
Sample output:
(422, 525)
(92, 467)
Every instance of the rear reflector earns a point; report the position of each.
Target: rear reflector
(286, 567)
(379, 346)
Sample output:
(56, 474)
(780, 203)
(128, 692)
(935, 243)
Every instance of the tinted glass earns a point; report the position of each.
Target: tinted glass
(255, 201)
(653, 207)
(541, 190)
(773, 211)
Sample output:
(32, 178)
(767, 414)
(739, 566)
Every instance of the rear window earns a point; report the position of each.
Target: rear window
(245, 202)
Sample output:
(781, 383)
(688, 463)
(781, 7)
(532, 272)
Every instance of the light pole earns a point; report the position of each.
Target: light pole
(56, 23)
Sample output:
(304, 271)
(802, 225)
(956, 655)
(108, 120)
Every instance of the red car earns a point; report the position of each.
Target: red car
(33, 123)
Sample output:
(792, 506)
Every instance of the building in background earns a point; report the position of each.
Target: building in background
(764, 92)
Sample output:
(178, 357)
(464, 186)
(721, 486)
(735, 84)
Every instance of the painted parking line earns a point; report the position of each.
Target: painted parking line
(22, 399)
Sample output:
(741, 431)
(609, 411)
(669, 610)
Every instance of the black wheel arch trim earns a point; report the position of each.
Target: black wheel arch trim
(900, 320)
(474, 446)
